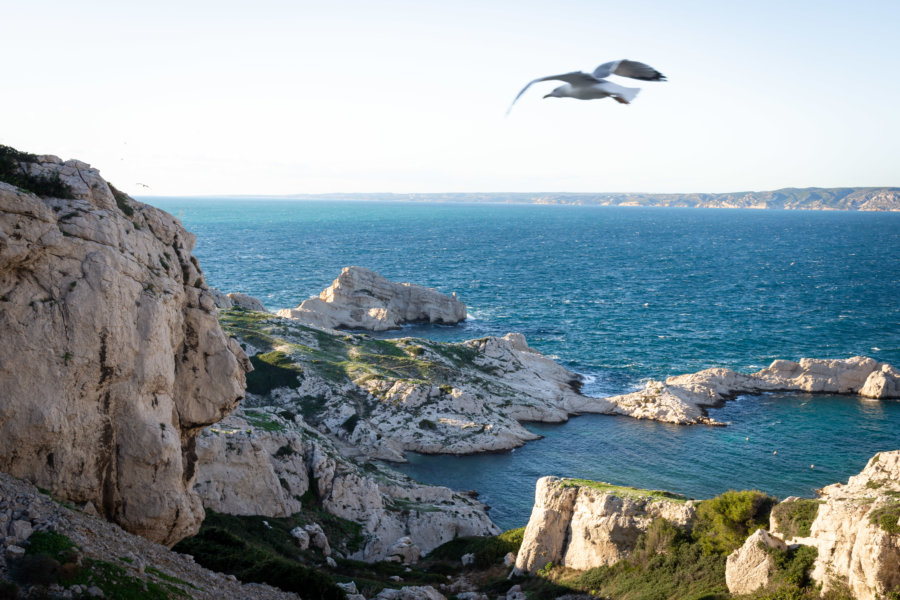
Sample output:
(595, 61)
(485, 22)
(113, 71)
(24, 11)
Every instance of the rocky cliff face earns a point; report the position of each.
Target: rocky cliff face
(581, 525)
(362, 299)
(112, 359)
(855, 528)
(263, 461)
(685, 398)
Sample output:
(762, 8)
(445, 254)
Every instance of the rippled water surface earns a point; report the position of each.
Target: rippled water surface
(620, 295)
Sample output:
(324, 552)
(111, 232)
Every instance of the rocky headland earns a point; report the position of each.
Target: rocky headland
(363, 299)
(381, 398)
(684, 399)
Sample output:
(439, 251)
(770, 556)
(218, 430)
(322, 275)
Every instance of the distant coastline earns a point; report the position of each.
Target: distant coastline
(870, 199)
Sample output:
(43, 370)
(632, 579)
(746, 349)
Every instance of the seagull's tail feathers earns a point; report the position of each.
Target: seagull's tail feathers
(625, 95)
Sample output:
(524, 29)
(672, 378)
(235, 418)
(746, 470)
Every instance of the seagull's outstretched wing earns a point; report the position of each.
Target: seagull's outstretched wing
(573, 78)
(628, 68)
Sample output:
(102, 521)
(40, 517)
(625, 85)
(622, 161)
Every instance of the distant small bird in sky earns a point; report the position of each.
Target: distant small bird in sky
(590, 86)
(143, 184)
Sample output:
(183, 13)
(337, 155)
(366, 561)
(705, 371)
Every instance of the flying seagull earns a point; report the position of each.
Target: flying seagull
(588, 86)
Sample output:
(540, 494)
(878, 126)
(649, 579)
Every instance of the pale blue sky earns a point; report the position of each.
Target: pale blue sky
(278, 97)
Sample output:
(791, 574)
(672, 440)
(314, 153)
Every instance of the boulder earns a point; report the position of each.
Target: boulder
(751, 567)
(363, 299)
(112, 357)
(404, 551)
(246, 302)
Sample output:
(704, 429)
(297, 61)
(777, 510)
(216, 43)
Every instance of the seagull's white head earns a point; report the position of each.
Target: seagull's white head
(560, 92)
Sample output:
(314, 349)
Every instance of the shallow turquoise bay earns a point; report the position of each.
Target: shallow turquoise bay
(618, 295)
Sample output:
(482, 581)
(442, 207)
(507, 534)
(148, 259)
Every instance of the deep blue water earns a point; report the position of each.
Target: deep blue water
(620, 295)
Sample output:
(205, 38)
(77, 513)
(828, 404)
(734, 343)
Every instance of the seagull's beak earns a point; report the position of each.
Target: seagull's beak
(548, 96)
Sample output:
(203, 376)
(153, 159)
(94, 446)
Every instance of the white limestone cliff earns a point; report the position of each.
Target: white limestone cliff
(112, 359)
(582, 526)
(685, 398)
(363, 299)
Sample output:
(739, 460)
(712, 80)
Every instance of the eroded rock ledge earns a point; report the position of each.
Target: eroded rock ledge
(363, 299)
(685, 398)
(112, 360)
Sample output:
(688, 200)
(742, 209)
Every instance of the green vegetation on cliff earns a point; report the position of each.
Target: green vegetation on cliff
(795, 518)
(624, 490)
(11, 172)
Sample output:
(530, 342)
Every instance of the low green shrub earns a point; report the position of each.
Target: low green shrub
(488, 551)
(221, 550)
(724, 522)
(796, 518)
(887, 517)
(272, 370)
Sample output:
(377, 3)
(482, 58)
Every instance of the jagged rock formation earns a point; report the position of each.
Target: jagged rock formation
(262, 462)
(139, 560)
(382, 398)
(363, 299)
(685, 398)
(112, 359)
(855, 528)
(582, 525)
(751, 566)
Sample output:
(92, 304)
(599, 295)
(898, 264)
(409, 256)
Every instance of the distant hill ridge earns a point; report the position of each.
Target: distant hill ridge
(845, 198)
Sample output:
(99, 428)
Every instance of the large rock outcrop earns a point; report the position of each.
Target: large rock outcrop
(112, 360)
(363, 299)
(855, 528)
(383, 398)
(684, 399)
(582, 525)
(263, 461)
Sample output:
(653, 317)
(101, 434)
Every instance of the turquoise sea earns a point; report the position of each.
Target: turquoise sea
(618, 295)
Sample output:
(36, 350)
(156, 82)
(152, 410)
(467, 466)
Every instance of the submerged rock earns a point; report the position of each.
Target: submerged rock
(363, 299)
(112, 358)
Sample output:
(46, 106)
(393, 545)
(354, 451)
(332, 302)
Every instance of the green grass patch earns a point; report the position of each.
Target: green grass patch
(262, 420)
(724, 522)
(273, 370)
(796, 518)
(488, 551)
(887, 517)
(623, 490)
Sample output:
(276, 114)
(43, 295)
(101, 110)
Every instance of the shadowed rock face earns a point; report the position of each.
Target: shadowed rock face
(363, 299)
(111, 358)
